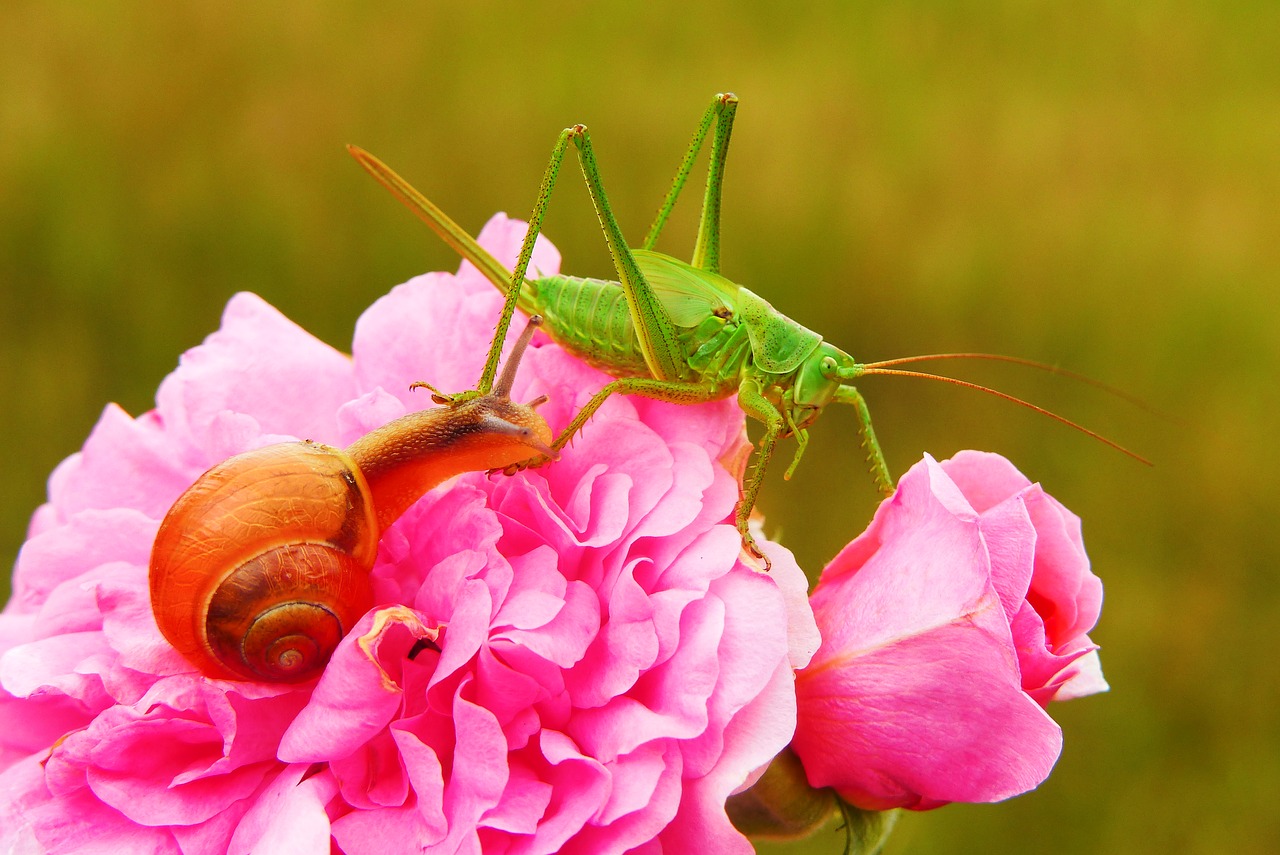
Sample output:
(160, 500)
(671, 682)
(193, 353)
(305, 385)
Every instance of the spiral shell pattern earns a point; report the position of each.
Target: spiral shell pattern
(263, 565)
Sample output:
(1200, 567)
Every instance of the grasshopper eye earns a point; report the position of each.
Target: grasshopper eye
(828, 367)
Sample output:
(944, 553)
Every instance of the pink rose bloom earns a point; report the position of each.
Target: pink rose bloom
(947, 627)
(605, 669)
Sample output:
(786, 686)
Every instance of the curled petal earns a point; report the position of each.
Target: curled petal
(360, 692)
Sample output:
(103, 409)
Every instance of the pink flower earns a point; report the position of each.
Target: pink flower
(607, 673)
(947, 626)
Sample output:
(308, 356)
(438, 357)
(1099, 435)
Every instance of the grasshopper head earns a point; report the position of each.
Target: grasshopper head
(818, 380)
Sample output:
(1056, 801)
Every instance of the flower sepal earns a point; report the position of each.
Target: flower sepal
(866, 831)
(781, 805)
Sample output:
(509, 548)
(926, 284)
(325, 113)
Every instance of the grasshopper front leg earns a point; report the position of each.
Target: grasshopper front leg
(875, 457)
(660, 390)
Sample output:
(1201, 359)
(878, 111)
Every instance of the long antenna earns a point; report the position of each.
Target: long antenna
(1030, 363)
(867, 369)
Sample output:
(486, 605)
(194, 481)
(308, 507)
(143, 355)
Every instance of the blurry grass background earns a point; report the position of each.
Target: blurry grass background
(1090, 184)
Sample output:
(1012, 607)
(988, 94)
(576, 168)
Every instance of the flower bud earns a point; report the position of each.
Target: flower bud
(947, 626)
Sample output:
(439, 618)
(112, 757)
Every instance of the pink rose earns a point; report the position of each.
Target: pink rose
(947, 626)
(604, 671)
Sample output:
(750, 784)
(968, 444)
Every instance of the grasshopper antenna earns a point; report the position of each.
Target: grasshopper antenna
(1031, 363)
(863, 370)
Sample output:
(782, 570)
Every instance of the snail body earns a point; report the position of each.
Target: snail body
(262, 566)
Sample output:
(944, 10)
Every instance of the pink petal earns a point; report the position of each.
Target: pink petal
(479, 767)
(646, 788)
(1010, 539)
(129, 625)
(379, 832)
(288, 816)
(397, 338)
(626, 645)
(359, 692)
(523, 803)
(69, 664)
(1083, 677)
(933, 718)
(1063, 598)
(1064, 590)
(260, 363)
(562, 637)
(21, 790)
(88, 540)
(753, 739)
(881, 603)
(580, 786)
(81, 823)
(751, 649)
(427, 776)
(670, 701)
(125, 463)
(803, 637)
(32, 724)
(985, 479)
(370, 411)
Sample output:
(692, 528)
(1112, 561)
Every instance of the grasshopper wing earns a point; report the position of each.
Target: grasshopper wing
(688, 294)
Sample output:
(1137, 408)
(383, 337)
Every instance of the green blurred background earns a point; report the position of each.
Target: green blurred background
(1090, 184)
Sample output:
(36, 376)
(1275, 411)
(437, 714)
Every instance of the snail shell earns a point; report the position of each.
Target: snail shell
(263, 565)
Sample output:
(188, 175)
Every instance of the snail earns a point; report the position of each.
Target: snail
(262, 566)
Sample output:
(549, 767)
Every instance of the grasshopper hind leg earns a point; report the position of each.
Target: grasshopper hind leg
(706, 252)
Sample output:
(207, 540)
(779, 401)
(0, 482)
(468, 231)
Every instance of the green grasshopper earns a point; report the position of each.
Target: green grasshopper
(674, 331)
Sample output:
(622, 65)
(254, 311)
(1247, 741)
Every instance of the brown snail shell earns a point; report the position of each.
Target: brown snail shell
(263, 565)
